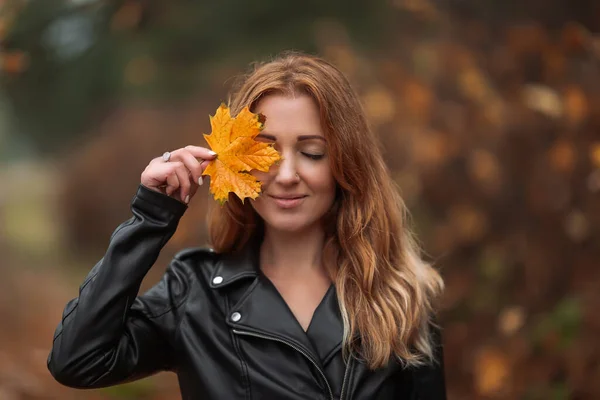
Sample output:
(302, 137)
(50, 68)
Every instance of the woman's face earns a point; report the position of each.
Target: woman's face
(299, 190)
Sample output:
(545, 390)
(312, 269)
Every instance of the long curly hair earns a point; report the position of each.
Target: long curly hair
(386, 292)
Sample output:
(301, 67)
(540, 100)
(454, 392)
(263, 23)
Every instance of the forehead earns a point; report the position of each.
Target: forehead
(290, 116)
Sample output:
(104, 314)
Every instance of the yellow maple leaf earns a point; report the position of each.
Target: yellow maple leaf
(237, 154)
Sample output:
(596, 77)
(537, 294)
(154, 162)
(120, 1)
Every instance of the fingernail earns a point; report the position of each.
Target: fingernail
(187, 199)
(212, 153)
(200, 181)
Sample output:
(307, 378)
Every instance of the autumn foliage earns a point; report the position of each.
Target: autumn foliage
(491, 130)
(237, 154)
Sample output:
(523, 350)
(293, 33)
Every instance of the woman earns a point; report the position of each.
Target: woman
(315, 290)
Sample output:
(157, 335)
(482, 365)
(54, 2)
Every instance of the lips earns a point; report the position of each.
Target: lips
(288, 201)
(288, 197)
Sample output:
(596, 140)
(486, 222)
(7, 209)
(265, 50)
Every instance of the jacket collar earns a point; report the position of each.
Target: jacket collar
(234, 266)
(263, 311)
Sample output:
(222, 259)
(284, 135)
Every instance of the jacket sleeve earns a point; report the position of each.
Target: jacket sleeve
(429, 380)
(108, 335)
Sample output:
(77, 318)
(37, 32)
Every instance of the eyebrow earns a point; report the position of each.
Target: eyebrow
(300, 138)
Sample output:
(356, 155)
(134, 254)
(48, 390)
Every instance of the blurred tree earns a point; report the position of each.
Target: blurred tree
(552, 13)
(73, 59)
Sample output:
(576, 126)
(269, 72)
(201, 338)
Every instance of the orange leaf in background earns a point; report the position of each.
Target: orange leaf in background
(237, 153)
(563, 156)
(128, 16)
(595, 154)
(13, 62)
(492, 371)
(576, 105)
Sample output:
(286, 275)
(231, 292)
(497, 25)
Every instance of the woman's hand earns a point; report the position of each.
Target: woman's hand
(181, 175)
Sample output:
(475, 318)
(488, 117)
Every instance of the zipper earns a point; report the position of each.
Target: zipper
(293, 346)
(345, 376)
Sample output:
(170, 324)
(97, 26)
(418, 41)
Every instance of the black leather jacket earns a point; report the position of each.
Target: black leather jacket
(215, 321)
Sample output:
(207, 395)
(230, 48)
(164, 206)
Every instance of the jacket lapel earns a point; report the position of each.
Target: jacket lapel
(261, 310)
(264, 311)
(326, 328)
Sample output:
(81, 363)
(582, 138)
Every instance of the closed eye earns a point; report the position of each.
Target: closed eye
(313, 156)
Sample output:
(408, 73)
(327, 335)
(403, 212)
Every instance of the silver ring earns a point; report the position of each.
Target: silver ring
(166, 156)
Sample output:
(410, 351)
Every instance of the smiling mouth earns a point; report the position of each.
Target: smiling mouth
(288, 202)
(288, 198)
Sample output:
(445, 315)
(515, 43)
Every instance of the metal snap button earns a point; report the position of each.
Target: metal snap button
(218, 280)
(236, 316)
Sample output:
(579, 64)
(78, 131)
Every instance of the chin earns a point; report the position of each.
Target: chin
(287, 224)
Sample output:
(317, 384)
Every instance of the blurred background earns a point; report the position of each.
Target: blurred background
(489, 116)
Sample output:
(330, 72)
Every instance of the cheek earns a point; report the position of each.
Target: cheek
(262, 177)
(322, 180)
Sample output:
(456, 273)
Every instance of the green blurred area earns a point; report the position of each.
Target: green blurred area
(488, 113)
(83, 56)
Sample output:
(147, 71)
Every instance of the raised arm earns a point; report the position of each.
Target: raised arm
(108, 335)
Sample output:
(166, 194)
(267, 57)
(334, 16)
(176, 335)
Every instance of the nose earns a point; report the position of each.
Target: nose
(286, 173)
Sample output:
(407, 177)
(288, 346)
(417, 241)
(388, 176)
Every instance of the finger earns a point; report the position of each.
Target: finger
(203, 166)
(184, 182)
(184, 155)
(192, 164)
(156, 160)
(201, 152)
(172, 181)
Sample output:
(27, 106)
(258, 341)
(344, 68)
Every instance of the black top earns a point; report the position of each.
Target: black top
(216, 321)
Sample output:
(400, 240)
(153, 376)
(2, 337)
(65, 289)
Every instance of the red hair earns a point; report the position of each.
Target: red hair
(386, 292)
